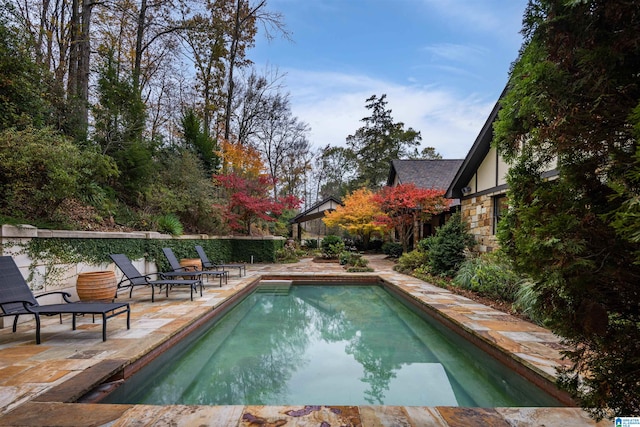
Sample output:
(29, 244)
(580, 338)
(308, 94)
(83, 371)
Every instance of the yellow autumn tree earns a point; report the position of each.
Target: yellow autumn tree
(240, 159)
(358, 216)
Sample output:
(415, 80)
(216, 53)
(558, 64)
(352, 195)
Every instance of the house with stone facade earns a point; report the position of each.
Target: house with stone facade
(480, 184)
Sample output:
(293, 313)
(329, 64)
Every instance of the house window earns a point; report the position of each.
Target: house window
(499, 208)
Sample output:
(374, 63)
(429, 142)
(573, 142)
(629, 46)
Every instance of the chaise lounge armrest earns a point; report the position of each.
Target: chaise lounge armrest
(28, 305)
(65, 295)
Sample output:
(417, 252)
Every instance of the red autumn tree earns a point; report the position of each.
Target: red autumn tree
(405, 204)
(246, 191)
(248, 200)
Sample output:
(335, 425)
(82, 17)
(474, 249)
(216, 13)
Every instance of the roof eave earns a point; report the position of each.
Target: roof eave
(476, 154)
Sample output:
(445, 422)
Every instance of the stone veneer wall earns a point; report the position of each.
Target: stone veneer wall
(477, 212)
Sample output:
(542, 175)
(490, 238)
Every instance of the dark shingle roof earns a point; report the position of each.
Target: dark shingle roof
(437, 173)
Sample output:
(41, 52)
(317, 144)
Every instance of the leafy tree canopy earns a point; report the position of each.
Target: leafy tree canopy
(357, 216)
(572, 103)
(240, 159)
(248, 200)
(404, 204)
(21, 80)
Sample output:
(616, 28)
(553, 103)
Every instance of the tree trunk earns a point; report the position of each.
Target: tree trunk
(140, 28)
(44, 13)
(79, 67)
(232, 63)
(84, 64)
(416, 231)
(74, 36)
(63, 43)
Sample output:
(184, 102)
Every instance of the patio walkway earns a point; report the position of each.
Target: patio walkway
(38, 383)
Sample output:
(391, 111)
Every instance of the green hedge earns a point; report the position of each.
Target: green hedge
(96, 251)
(261, 250)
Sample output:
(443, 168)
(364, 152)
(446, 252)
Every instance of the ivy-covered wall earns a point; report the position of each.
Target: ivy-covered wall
(52, 259)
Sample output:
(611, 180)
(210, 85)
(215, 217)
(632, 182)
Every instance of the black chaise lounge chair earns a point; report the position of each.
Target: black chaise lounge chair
(133, 278)
(179, 270)
(206, 264)
(16, 298)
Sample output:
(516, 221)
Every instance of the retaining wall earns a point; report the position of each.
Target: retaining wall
(13, 240)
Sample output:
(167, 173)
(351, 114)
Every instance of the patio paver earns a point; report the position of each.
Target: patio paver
(36, 381)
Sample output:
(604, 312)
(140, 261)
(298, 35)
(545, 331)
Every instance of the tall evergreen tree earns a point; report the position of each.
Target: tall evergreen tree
(379, 142)
(570, 104)
(197, 140)
(119, 124)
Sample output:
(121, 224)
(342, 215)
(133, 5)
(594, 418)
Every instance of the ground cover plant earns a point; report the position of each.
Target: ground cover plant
(490, 275)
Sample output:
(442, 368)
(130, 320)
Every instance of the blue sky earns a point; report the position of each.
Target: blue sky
(441, 63)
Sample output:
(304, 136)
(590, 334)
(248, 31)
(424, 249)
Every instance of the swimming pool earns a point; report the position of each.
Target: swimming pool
(340, 345)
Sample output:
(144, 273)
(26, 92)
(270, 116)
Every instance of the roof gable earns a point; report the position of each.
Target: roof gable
(317, 210)
(432, 173)
(476, 154)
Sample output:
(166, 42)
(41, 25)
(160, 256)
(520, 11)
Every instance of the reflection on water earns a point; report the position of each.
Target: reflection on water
(339, 345)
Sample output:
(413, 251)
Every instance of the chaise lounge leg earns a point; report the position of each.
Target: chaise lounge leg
(104, 327)
(37, 316)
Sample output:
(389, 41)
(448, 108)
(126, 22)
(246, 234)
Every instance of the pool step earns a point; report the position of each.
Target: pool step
(274, 287)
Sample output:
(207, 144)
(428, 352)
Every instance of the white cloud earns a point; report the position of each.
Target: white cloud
(334, 103)
(487, 16)
(455, 52)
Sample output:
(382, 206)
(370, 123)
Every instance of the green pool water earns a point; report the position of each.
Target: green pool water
(331, 345)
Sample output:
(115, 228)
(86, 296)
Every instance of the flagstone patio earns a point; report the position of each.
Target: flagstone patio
(40, 383)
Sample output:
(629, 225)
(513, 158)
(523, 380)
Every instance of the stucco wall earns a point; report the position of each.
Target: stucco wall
(491, 173)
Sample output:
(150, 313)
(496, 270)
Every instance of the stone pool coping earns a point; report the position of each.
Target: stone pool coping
(38, 383)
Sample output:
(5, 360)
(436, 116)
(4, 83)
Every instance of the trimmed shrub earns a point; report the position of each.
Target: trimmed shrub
(332, 246)
(410, 261)
(310, 244)
(375, 245)
(392, 249)
(344, 258)
(446, 249)
(288, 254)
(261, 250)
(355, 269)
(96, 251)
(423, 245)
(358, 264)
